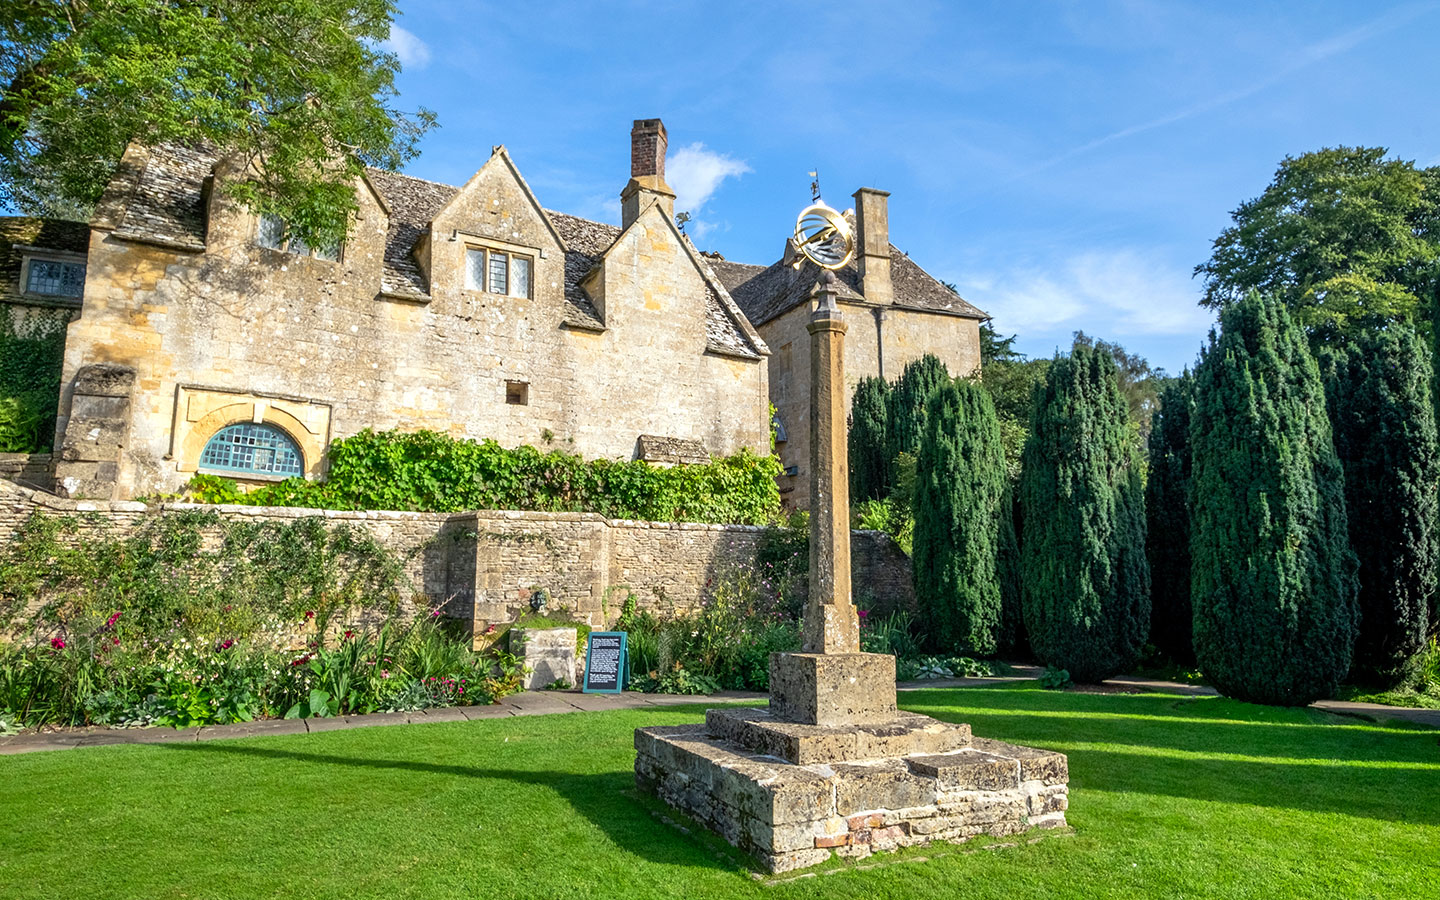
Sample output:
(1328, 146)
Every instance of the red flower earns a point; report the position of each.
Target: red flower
(349, 634)
(57, 643)
(227, 643)
(110, 622)
(309, 614)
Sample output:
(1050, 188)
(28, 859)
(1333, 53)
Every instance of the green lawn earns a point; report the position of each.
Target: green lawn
(1170, 797)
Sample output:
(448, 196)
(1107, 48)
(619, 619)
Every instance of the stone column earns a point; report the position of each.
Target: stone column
(831, 625)
(830, 682)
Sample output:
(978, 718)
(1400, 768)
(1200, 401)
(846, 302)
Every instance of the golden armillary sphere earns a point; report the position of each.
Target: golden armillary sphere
(824, 237)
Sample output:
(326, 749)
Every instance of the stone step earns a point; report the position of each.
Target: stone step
(904, 735)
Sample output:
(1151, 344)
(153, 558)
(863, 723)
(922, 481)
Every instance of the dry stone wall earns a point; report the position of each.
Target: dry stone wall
(485, 565)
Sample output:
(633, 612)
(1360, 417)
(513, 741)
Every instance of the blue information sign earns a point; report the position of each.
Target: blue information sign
(605, 663)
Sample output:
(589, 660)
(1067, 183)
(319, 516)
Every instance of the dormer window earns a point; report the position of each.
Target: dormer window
(271, 233)
(497, 272)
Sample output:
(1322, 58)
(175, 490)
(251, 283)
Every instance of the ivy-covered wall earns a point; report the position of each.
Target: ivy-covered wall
(32, 350)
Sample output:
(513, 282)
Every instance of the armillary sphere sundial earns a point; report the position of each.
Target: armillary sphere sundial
(824, 237)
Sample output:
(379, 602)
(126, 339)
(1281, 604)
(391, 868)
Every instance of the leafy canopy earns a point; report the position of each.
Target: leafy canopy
(1342, 237)
(299, 90)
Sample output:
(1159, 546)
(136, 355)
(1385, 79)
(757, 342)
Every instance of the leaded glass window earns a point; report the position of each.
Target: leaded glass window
(56, 279)
(498, 273)
(475, 269)
(247, 447)
(519, 277)
(271, 232)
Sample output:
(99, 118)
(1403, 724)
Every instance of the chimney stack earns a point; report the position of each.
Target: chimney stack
(872, 250)
(647, 172)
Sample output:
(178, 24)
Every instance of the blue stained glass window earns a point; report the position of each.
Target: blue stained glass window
(246, 447)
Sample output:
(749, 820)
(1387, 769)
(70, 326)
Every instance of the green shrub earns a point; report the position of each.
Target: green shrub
(1273, 582)
(1379, 397)
(905, 414)
(870, 473)
(1085, 580)
(1167, 522)
(30, 369)
(959, 513)
(428, 471)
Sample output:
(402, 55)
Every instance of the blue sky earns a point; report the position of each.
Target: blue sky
(1066, 164)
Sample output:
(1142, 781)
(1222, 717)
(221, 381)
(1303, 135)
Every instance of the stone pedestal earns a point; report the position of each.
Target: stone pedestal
(548, 654)
(833, 766)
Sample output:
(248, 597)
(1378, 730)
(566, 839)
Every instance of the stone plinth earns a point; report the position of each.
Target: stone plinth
(832, 688)
(855, 790)
(547, 653)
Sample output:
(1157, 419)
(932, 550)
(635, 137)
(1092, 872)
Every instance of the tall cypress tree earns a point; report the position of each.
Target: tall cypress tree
(1167, 522)
(1086, 585)
(905, 415)
(1273, 575)
(1012, 621)
(959, 513)
(1384, 424)
(870, 476)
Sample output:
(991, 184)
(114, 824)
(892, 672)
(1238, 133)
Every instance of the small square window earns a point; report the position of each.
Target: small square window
(271, 232)
(499, 272)
(517, 393)
(56, 279)
(475, 269)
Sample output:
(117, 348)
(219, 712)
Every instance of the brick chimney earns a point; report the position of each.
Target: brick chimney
(647, 172)
(872, 244)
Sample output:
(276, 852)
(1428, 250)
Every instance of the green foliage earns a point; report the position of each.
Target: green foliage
(83, 80)
(1384, 430)
(432, 472)
(1343, 238)
(1085, 580)
(959, 513)
(870, 475)
(1167, 522)
(894, 634)
(1140, 384)
(905, 415)
(1053, 679)
(29, 382)
(1011, 380)
(1273, 584)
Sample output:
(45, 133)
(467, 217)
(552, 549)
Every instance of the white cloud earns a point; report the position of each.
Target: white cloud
(413, 52)
(1106, 292)
(695, 174)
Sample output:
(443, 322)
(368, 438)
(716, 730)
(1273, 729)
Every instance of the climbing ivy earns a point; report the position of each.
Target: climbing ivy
(30, 362)
(427, 471)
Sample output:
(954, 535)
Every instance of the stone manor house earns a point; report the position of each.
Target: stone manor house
(203, 339)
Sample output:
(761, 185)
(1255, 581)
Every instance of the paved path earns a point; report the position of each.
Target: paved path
(540, 703)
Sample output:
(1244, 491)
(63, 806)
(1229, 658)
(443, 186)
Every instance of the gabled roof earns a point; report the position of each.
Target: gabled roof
(158, 197)
(33, 231)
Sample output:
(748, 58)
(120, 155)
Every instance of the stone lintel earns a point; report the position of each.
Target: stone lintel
(968, 769)
(832, 688)
(906, 734)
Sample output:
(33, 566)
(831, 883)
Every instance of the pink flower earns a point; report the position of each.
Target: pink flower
(110, 622)
(57, 643)
(434, 613)
(227, 643)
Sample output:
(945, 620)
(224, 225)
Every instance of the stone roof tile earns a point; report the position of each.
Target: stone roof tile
(33, 231)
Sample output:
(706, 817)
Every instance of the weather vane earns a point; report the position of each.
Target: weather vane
(680, 219)
(815, 186)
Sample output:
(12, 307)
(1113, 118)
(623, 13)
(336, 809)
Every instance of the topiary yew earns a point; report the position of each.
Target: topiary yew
(1273, 575)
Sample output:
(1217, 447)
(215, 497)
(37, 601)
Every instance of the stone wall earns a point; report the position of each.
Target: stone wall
(485, 565)
(29, 469)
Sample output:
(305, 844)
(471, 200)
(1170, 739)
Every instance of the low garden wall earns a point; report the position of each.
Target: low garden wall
(484, 566)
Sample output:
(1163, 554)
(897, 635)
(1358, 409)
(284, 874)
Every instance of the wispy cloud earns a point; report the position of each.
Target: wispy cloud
(696, 173)
(1107, 292)
(412, 52)
(1308, 56)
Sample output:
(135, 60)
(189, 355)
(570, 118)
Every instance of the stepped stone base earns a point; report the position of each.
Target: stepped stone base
(792, 794)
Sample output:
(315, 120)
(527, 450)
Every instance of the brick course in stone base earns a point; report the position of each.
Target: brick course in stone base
(913, 781)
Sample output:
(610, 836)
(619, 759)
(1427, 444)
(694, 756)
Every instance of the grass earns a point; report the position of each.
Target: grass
(1170, 797)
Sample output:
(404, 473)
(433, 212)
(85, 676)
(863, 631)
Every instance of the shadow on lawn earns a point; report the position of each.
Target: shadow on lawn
(608, 800)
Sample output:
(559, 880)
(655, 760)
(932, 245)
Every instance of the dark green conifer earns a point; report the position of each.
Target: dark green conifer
(1384, 427)
(1167, 522)
(905, 416)
(959, 511)
(1272, 572)
(870, 475)
(1086, 585)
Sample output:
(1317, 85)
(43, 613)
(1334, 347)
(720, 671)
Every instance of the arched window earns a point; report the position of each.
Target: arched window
(258, 449)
